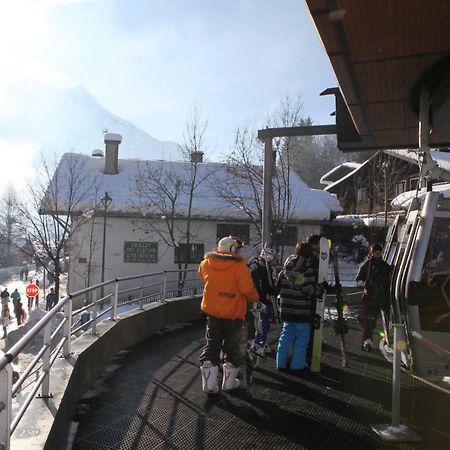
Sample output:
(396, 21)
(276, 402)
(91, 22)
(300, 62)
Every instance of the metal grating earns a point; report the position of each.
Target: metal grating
(155, 401)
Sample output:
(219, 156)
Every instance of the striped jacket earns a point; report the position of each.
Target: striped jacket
(298, 290)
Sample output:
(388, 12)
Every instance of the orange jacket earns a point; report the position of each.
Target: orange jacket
(228, 285)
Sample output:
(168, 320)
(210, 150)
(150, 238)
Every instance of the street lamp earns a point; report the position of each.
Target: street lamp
(105, 201)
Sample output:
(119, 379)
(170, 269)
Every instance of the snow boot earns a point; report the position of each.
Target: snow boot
(209, 377)
(229, 381)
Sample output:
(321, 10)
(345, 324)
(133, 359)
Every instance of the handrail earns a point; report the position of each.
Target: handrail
(48, 357)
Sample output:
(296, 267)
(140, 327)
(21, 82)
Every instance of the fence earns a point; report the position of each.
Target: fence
(152, 287)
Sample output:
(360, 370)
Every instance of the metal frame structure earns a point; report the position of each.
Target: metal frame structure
(150, 288)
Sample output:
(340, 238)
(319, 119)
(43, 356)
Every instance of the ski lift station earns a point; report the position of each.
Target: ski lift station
(115, 364)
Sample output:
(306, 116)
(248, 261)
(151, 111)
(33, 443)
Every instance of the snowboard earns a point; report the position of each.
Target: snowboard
(324, 259)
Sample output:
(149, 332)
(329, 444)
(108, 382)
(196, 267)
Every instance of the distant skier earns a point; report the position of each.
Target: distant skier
(261, 271)
(228, 287)
(299, 288)
(375, 276)
(16, 300)
(5, 319)
(5, 296)
(50, 299)
(20, 314)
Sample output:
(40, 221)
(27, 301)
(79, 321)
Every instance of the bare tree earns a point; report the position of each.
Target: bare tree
(9, 220)
(166, 193)
(56, 195)
(244, 164)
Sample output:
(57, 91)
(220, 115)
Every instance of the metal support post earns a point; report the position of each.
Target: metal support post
(141, 294)
(67, 328)
(267, 193)
(45, 387)
(114, 300)
(94, 313)
(395, 432)
(5, 406)
(164, 286)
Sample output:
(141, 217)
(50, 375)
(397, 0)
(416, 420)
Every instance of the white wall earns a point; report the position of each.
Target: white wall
(119, 230)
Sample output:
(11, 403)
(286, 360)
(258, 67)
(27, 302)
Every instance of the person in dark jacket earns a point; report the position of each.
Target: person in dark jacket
(50, 300)
(261, 271)
(299, 289)
(375, 276)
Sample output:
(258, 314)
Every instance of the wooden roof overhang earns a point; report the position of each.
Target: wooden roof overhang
(383, 53)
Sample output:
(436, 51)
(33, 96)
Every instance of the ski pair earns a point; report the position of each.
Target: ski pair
(340, 327)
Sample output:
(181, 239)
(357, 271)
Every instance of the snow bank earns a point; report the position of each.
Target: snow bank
(35, 345)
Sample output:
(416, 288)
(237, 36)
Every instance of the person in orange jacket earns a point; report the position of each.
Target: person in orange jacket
(228, 288)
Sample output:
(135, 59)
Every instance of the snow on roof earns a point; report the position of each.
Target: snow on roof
(339, 171)
(442, 158)
(364, 220)
(307, 203)
(403, 200)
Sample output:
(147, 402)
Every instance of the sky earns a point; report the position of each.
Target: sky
(149, 61)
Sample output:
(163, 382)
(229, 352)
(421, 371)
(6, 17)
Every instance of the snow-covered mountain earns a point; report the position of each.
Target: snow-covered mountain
(54, 121)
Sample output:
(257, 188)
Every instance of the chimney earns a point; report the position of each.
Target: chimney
(196, 157)
(112, 142)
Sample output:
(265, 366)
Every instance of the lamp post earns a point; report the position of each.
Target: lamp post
(105, 201)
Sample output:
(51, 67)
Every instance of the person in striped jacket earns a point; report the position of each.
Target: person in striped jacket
(299, 289)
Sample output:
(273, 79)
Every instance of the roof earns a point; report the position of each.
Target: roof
(307, 204)
(364, 220)
(339, 172)
(441, 158)
(382, 53)
(403, 201)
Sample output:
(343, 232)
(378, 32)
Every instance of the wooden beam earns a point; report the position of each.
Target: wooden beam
(313, 130)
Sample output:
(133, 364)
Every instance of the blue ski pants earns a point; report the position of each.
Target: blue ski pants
(296, 336)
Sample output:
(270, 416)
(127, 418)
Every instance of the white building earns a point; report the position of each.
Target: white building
(137, 225)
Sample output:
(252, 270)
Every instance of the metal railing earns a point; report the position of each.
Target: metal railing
(149, 288)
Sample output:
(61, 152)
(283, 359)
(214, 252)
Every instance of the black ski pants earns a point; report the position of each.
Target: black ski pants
(368, 319)
(226, 335)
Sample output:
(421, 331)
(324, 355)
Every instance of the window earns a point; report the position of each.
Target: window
(361, 195)
(230, 229)
(413, 182)
(189, 253)
(287, 236)
(400, 187)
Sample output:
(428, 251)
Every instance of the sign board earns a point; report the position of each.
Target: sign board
(140, 252)
(32, 290)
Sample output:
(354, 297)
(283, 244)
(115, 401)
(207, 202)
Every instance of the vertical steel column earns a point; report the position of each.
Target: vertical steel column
(67, 327)
(114, 300)
(45, 387)
(94, 312)
(141, 293)
(5, 406)
(267, 193)
(396, 373)
(424, 132)
(164, 287)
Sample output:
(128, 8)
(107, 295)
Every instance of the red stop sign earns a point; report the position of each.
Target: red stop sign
(32, 290)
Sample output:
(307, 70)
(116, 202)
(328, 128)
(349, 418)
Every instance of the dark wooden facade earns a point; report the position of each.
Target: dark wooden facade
(371, 188)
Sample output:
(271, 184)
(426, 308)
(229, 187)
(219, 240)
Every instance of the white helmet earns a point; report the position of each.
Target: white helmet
(228, 244)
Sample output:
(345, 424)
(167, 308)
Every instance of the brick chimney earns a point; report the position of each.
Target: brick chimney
(112, 142)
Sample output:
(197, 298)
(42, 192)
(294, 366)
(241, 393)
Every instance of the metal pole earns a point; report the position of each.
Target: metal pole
(67, 328)
(114, 300)
(164, 287)
(396, 374)
(5, 406)
(45, 387)
(141, 301)
(267, 193)
(106, 201)
(94, 313)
